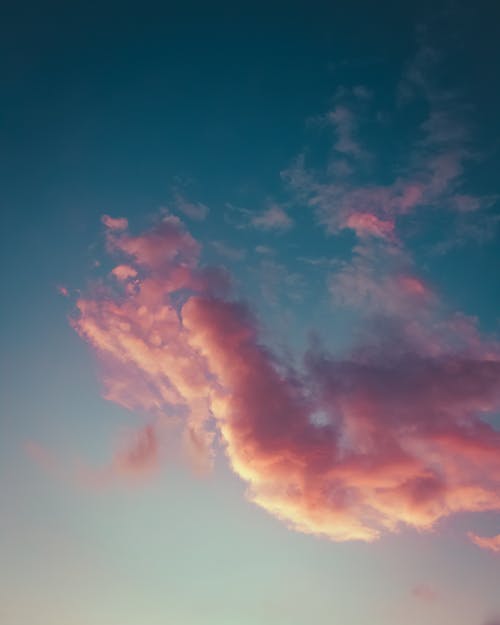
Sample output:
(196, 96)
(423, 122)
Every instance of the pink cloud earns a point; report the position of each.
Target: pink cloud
(367, 224)
(430, 175)
(119, 223)
(369, 210)
(136, 458)
(138, 454)
(492, 543)
(365, 471)
(391, 435)
(424, 592)
(123, 272)
(413, 285)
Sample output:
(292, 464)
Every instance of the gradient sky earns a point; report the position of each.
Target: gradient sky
(250, 364)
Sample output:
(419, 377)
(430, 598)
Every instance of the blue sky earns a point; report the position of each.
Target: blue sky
(329, 452)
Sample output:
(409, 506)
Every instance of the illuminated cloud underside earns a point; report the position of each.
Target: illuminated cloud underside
(402, 438)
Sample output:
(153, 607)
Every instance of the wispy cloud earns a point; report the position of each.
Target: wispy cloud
(228, 251)
(264, 250)
(345, 124)
(491, 543)
(136, 458)
(346, 194)
(425, 592)
(273, 218)
(115, 223)
(62, 290)
(278, 283)
(193, 210)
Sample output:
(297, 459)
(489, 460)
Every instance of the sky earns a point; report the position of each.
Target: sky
(250, 365)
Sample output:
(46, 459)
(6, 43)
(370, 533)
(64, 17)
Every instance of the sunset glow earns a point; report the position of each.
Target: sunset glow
(251, 368)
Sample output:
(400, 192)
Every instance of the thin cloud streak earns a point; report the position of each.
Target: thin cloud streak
(273, 218)
(193, 210)
(491, 543)
(136, 458)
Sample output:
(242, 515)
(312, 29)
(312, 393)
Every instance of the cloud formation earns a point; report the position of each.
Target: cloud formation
(396, 431)
(427, 172)
(273, 218)
(393, 433)
(492, 543)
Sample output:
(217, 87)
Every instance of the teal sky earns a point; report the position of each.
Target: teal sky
(250, 369)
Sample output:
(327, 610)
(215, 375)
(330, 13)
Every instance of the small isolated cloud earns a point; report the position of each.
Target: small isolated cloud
(114, 223)
(274, 218)
(193, 210)
(228, 251)
(491, 543)
(345, 124)
(264, 250)
(123, 272)
(424, 592)
(318, 261)
(362, 92)
(62, 290)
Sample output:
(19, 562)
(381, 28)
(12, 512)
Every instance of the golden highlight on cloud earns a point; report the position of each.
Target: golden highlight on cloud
(393, 434)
